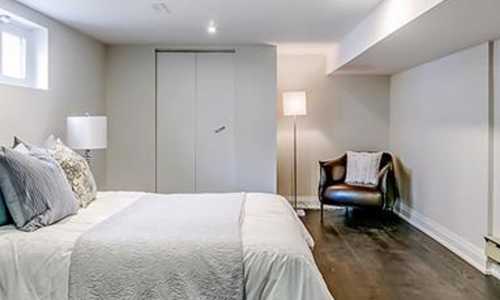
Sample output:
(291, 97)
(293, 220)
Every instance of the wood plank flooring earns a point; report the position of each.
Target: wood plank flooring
(371, 256)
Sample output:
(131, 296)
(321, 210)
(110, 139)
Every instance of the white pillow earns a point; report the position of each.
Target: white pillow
(363, 168)
(21, 148)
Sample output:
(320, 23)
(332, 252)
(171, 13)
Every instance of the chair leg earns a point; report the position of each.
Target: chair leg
(321, 212)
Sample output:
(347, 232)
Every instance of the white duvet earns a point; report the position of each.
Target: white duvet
(278, 260)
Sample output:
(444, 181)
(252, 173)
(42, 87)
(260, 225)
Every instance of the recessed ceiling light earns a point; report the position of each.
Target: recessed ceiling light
(160, 8)
(212, 29)
(5, 19)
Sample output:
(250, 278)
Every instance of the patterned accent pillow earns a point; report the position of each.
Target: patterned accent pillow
(363, 168)
(77, 172)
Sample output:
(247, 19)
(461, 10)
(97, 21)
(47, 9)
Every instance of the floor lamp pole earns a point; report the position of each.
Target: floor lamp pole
(295, 163)
(299, 212)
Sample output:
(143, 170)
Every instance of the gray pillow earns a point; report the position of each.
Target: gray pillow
(4, 213)
(35, 189)
(74, 166)
(5, 218)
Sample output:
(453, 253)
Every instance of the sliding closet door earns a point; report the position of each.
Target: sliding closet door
(215, 95)
(176, 122)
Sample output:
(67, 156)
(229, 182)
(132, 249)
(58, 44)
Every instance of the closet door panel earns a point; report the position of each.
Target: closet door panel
(214, 129)
(176, 122)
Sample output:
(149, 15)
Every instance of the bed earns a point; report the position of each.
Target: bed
(276, 250)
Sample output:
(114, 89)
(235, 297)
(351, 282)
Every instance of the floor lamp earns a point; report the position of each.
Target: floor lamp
(294, 105)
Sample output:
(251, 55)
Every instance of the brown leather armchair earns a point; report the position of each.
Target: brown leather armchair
(334, 191)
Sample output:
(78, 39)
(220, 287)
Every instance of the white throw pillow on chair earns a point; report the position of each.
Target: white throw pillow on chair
(363, 168)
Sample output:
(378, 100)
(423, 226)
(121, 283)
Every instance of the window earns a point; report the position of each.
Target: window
(23, 52)
(13, 53)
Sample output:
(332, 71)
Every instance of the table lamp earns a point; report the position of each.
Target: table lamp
(87, 133)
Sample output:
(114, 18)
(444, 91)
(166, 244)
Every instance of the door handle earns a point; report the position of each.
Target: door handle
(220, 129)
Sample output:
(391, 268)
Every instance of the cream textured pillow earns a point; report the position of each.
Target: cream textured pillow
(77, 172)
(363, 168)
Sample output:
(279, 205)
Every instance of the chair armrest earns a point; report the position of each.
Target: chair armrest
(382, 177)
(385, 184)
(331, 172)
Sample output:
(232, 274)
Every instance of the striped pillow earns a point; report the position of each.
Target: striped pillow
(35, 189)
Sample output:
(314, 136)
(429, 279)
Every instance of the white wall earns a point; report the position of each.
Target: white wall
(130, 101)
(439, 128)
(255, 118)
(496, 149)
(343, 113)
(76, 86)
(131, 110)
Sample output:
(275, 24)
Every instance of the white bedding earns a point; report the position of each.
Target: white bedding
(277, 259)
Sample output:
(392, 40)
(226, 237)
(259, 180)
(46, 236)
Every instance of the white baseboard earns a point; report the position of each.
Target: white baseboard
(495, 270)
(461, 247)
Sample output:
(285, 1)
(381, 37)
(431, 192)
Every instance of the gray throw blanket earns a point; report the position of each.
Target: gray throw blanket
(175, 247)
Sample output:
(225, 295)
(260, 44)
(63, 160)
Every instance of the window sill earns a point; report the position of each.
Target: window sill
(23, 85)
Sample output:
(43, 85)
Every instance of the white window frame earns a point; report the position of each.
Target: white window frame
(36, 56)
(23, 33)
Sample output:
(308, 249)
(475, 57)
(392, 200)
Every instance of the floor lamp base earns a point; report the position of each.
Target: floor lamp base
(300, 212)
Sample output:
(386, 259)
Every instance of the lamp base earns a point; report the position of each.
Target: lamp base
(88, 156)
(300, 212)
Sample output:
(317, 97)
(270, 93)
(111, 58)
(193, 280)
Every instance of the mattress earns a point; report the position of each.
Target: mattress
(277, 255)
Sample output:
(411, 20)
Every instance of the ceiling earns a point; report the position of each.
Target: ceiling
(448, 28)
(238, 21)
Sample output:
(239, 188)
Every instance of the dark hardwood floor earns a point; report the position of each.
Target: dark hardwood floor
(370, 256)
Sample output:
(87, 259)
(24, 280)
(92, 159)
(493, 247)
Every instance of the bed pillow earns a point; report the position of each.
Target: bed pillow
(77, 173)
(75, 168)
(21, 148)
(4, 213)
(34, 188)
(5, 218)
(48, 143)
(363, 168)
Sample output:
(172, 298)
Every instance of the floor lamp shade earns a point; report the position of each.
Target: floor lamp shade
(294, 103)
(87, 132)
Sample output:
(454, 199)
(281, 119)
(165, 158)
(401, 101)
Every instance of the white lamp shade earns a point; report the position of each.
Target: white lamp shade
(87, 133)
(294, 104)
